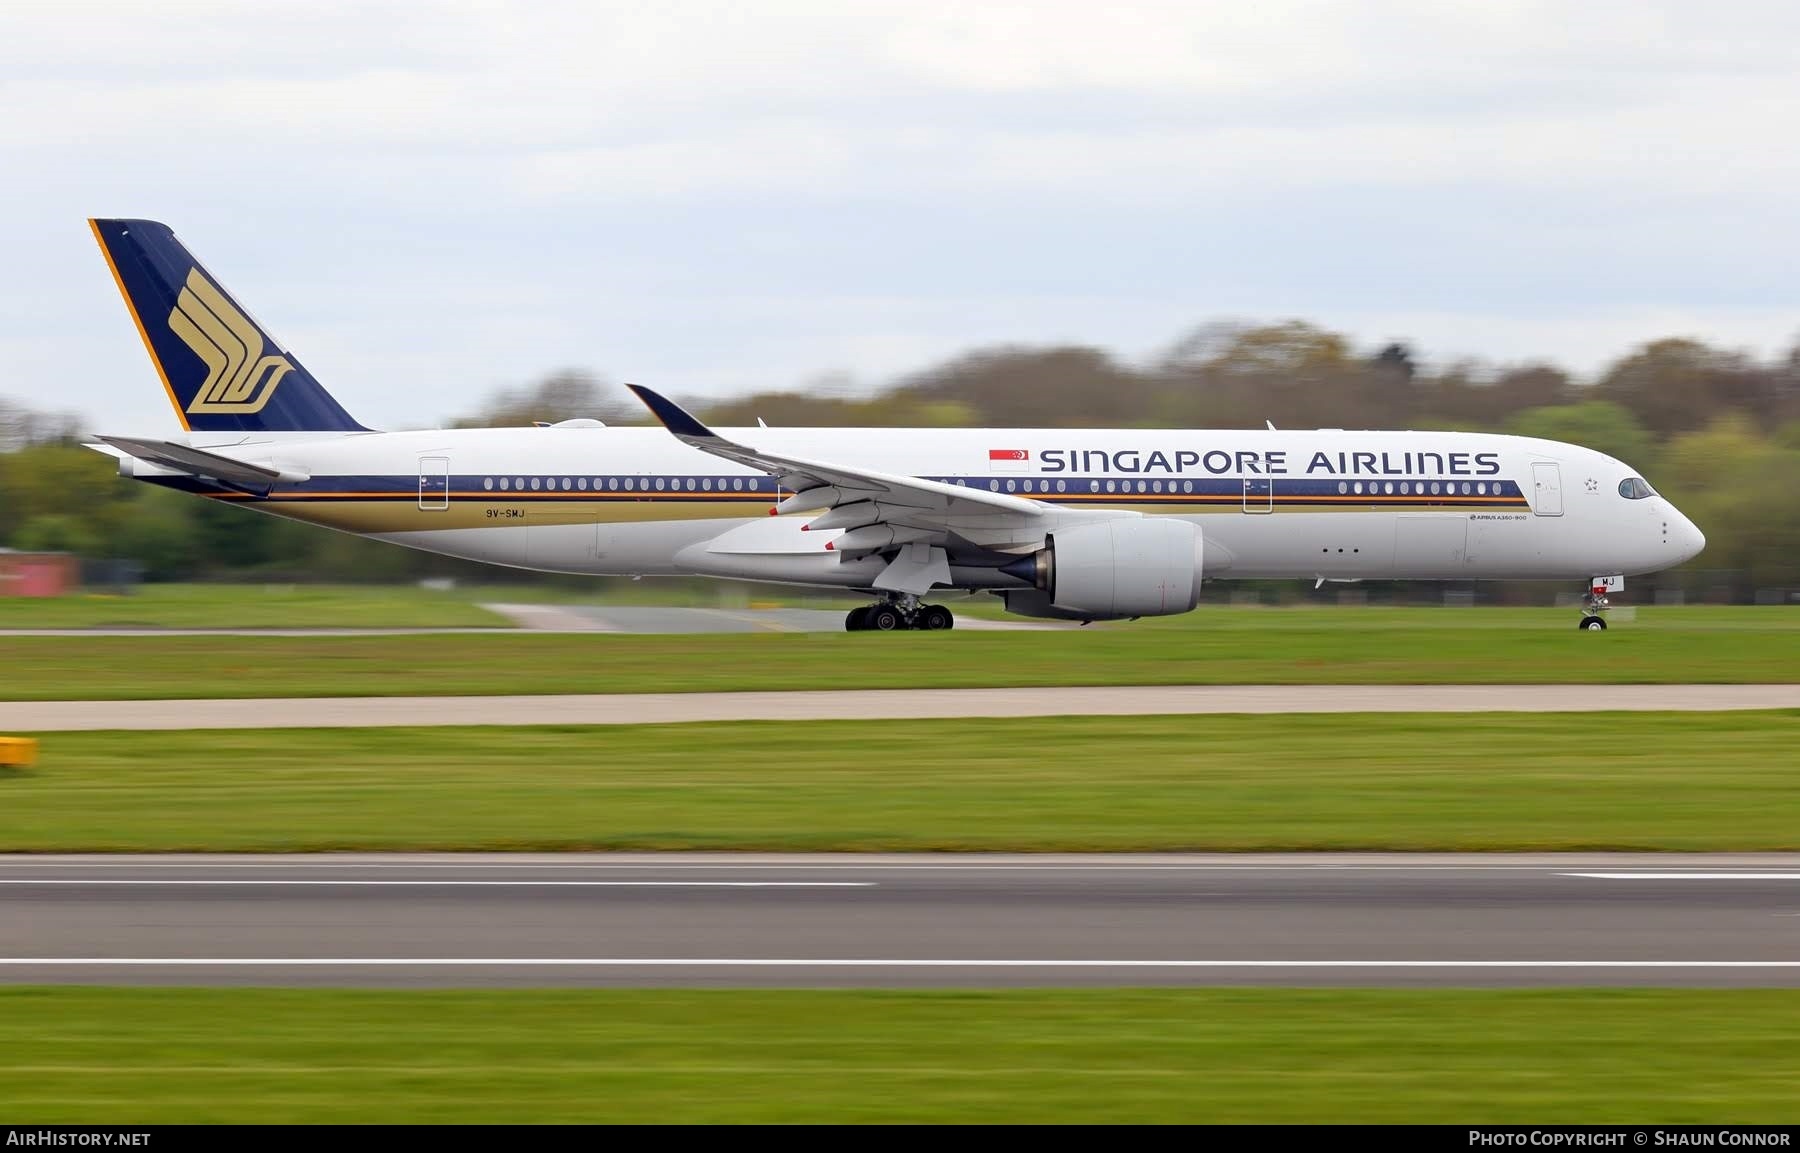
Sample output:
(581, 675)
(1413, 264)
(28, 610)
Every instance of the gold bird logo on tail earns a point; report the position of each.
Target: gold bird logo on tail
(240, 378)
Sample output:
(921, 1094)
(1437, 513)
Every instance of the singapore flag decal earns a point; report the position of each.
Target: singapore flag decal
(1009, 460)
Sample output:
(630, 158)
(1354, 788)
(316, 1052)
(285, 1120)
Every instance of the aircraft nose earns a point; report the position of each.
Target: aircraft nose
(1686, 536)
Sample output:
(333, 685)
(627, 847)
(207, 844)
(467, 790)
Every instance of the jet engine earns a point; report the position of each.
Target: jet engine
(1130, 567)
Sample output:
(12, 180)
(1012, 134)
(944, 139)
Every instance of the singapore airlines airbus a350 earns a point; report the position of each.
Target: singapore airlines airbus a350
(1085, 525)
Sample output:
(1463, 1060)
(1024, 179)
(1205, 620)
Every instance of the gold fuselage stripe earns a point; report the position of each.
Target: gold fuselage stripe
(388, 513)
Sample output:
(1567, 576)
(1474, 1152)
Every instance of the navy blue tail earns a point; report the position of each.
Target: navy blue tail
(223, 372)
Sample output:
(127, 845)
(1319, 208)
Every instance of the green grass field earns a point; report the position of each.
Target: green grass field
(111, 1056)
(251, 606)
(1211, 646)
(1689, 781)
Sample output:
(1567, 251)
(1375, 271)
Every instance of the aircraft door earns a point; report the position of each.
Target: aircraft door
(434, 483)
(1547, 489)
(1259, 494)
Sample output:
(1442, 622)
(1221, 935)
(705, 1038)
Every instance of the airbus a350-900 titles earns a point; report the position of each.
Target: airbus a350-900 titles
(1100, 524)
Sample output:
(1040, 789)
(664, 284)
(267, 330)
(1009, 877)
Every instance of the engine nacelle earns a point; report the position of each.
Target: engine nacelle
(1130, 567)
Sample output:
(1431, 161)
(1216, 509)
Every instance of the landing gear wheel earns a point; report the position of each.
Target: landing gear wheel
(856, 620)
(1591, 624)
(935, 617)
(883, 618)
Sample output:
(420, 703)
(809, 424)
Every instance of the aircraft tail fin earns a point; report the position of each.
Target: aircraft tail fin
(222, 370)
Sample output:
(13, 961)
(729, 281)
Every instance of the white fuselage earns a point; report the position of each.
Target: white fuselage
(1327, 504)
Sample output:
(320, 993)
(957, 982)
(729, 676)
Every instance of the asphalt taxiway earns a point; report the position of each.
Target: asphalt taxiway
(880, 705)
(941, 920)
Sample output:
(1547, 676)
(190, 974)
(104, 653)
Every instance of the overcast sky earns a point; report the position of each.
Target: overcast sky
(427, 201)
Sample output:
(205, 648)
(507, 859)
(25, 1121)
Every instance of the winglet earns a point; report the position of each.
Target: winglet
(673, 417)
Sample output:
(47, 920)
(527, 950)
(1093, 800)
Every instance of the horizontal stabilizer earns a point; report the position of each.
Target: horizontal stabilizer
(198, 462)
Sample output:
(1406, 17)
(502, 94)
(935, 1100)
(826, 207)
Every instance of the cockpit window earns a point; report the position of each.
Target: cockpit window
(1634, 488)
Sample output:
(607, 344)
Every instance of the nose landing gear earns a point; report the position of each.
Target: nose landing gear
(904, 612)
(1593, 603)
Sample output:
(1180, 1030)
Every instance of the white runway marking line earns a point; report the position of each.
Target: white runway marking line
(847, 867)
(851, 963)
(333, 882)
(1687, 876)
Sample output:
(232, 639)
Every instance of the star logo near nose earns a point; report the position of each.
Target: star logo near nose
(1593, 485)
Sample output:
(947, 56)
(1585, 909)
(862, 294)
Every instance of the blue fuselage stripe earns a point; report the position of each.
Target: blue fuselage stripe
(1205, 491)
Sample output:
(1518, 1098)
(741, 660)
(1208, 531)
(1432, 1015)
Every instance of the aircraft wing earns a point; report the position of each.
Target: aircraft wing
(199, 462)
(878, 511)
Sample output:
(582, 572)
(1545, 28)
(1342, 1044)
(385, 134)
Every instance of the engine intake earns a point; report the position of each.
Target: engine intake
(1131, 567)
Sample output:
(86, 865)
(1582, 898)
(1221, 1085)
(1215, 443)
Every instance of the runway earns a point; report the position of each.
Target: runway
(631, 620)
(880, 704)
(646, 620)
(716, 920)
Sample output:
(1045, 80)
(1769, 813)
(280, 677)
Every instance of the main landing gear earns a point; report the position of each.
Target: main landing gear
(899, 613)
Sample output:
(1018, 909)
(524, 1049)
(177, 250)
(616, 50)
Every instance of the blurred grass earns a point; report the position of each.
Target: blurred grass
(1503, 781)
(282, 606)
(174, 1055)
(1210, 646)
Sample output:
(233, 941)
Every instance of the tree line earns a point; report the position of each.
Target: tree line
(1717, 431)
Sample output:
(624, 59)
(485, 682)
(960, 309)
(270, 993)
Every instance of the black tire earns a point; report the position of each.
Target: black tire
(883, 619)
(1591, 624)
(936, 618)
(856, 620)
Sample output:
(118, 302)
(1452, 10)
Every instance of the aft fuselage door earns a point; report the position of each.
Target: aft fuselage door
(434, 483)
(1259, 494)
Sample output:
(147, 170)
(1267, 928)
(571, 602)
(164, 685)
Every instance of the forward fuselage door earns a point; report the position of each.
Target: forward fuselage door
(434, 483)
(1259, 494)
(1546, 499)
